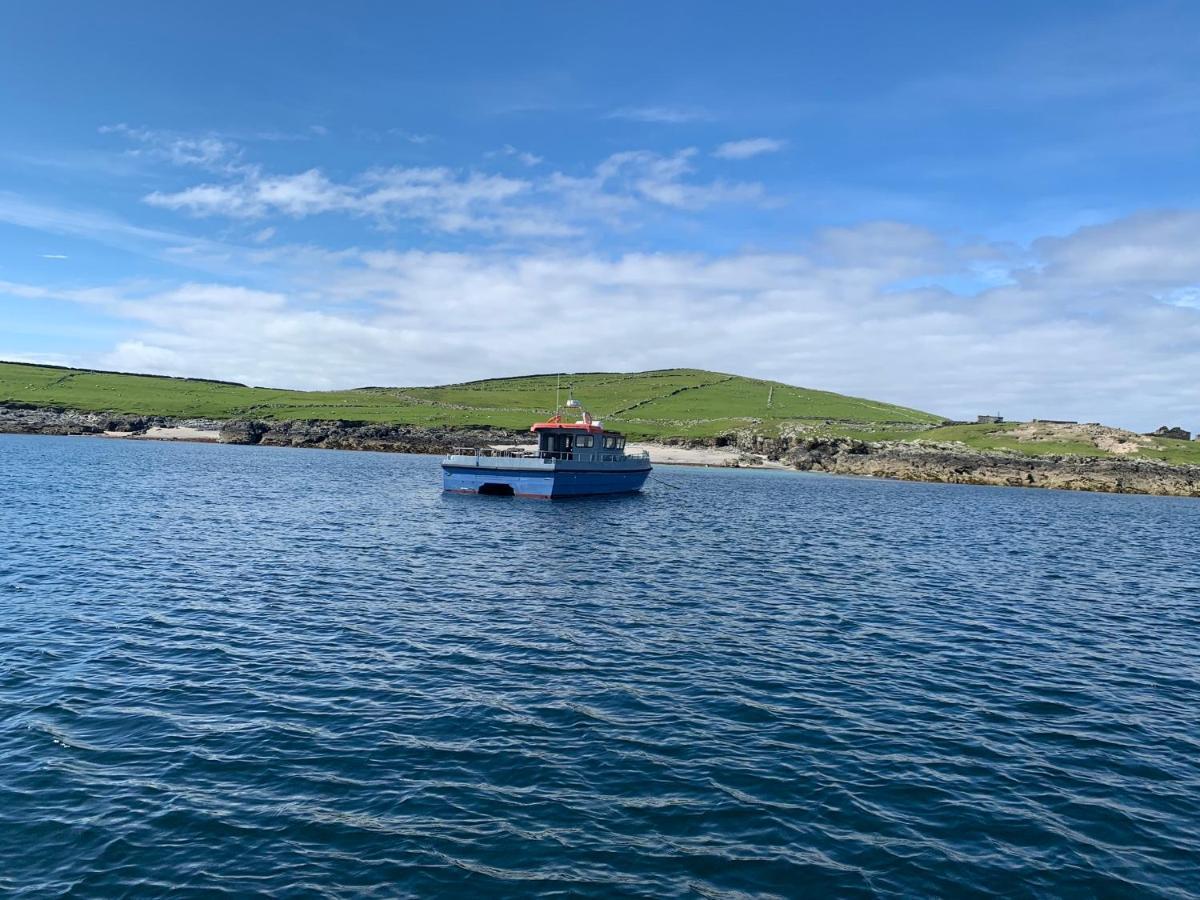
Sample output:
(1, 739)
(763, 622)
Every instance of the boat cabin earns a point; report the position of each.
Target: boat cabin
(582, 441)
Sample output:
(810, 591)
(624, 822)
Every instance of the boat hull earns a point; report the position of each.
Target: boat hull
(545, 483)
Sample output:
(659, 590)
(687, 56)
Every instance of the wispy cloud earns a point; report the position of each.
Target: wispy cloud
(412, 137)
(524, 156)
(456, 201)
(750, 147)
(54, 256)
(99, 226)
(665, 115)
(207, 151)
(445, 200)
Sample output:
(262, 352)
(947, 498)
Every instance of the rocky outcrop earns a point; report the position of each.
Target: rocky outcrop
(24, 418)
(1176, 433)
(958, 464)
(364, 436)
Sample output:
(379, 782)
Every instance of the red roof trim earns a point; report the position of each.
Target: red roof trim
(573, 426)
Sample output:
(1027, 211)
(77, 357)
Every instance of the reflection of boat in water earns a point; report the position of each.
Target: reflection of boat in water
(573, 459)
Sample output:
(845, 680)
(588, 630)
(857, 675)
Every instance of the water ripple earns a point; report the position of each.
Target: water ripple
(245, 671)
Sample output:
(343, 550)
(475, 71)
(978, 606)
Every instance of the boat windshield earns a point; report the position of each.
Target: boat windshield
(557, 444)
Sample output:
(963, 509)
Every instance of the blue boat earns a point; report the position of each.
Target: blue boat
(572, 459)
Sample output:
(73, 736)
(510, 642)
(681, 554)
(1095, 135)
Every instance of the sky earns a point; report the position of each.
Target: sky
(964, 207)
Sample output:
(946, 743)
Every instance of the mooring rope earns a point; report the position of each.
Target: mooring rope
(660, 480)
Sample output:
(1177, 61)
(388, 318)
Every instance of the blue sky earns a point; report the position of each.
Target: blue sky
(964, 207)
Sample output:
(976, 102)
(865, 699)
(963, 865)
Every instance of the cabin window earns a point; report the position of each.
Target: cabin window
(610, 442)
(555, 443)
(584, 440)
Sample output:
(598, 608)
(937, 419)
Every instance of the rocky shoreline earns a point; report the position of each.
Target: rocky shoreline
(907, 461)
(958, 464)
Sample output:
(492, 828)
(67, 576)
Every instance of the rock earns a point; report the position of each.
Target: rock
(242, 431)
(1175, 433)
(25, 418)
(958, 464)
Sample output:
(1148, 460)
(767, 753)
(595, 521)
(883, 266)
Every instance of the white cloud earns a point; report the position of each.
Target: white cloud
(664, 115)
(748, 148)
(209, 151)
(1063, 339)
(524, 156)
(411, 136)
(54, 256)
(453, 201)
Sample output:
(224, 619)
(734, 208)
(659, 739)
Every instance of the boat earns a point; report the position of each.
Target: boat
(572, 459)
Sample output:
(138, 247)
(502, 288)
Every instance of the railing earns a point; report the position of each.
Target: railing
(507, 452)
(547, 455)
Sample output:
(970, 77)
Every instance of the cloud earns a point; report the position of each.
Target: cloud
(411, 136)
(98, 226)
(1146, 251)
(457, 202)
(529, 159)
(54, 256)
(748, 148)
(203, 151)
(444, 199)
(663, 115)
(1060, 339)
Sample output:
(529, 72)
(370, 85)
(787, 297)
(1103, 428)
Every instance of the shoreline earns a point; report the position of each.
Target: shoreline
(660, 454)
(944, 463)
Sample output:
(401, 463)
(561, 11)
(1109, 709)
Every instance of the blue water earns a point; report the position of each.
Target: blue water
(288, 673)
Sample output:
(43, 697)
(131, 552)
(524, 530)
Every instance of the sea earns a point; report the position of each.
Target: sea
(260, 672)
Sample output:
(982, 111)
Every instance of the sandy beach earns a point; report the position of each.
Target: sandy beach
(667, 455)
(172, 433)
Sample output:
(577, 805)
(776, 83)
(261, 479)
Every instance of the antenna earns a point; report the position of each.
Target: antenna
(557, 388)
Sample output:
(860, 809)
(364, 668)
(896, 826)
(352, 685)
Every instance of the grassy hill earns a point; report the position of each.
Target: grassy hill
(667, 403)
(670, 403)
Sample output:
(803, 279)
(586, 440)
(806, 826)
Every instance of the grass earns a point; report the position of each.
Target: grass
(689, 404)
(992, 437)
(682, 403)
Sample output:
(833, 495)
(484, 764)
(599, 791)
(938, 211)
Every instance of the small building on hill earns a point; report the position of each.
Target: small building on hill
(988, 420)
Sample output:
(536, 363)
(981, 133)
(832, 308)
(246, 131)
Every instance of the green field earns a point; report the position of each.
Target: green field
(671, 403)
(667, 403)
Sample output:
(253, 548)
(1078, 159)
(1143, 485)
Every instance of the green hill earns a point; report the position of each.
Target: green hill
(666, 403)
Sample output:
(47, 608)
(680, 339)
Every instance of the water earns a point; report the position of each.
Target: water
(290, 673)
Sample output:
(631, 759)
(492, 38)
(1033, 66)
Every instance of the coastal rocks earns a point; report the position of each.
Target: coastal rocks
(25, 418)
(363, 436)
(241, 431)
(958, 464)
(22, 418)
